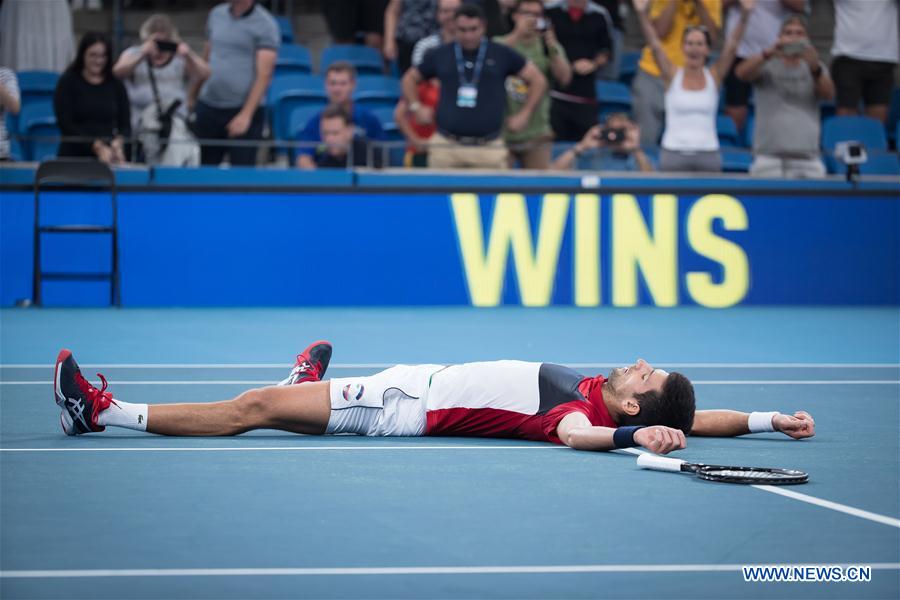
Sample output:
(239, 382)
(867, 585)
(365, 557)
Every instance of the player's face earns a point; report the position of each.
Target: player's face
(637, 378)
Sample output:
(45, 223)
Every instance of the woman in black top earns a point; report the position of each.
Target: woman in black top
(92, 104)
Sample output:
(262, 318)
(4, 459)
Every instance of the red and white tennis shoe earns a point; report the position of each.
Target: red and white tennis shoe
(311, 364)
(81, 402)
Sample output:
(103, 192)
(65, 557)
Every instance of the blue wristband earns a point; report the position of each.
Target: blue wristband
(623, 437)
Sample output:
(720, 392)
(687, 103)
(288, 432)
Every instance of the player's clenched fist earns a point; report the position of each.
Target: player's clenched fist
(660, 439)
(799, 426)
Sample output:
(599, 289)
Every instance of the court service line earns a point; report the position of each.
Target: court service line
(381, 365)
(343, 571)
(695, 382)
(856, 512)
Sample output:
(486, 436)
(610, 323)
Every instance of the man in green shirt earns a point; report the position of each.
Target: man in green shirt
(533, 37)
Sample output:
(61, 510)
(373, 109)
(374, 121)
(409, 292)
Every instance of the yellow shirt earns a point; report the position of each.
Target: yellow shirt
(685, 16)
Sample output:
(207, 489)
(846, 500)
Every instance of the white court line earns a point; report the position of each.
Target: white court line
(343, 571)
(388, 365)
(695, 382)
(856, 512)
(276, 448)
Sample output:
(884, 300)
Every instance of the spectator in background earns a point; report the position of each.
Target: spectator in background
(582, 28)
(615, 146)
(790, 80)
(172, 70)
(346, 18)
(9, 104)
(864, 55)
(469, 118)
(690, 141)
(405, 23)
(534, 39)
(670, 19)
(341, 146)
(340, 82)
(417, 134)
(241, 48)
(91, 103)
(616, 9)
(762, 31)
(446, 33)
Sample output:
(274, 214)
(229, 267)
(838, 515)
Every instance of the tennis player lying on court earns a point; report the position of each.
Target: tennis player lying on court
(635, 406)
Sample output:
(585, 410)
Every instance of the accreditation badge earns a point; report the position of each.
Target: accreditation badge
(466, 96)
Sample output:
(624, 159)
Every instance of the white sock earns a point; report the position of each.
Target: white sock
(124, 414)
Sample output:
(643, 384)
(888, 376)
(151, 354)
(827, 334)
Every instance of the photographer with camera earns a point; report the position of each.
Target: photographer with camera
(169, 61)
(613, 146)
(790, 80)
(533, 37)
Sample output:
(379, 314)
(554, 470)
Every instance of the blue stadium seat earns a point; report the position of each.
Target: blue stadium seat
(385, 114)
(613, 97)
(377, 91)
(628, 66)
(287, 30)
(293, 60)
(862, 129)
(36, 85)
(727, 131)
(748, 130)
(38, 120)
(736, 160)
(366, 60)
(881, 163)
(290, 91)
(893, 122)
(827, 109)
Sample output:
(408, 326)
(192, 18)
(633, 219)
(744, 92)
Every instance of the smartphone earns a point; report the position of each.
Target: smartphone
(541, 24)
(795, 48)
(166, 46)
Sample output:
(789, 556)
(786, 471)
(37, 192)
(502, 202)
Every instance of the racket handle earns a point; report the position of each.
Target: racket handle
(659, 463)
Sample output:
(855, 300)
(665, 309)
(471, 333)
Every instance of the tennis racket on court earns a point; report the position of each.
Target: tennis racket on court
(747, 475)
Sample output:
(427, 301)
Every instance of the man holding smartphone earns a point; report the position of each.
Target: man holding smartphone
(789, 81)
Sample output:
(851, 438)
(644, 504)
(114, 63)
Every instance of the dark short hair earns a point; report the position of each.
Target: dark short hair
(87, 40)
(672, 406)
(341, 66)
(336, 111)
(470, 11)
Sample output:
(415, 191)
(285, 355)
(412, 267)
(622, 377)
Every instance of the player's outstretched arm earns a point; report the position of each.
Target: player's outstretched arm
(575, 431)
(730, 423)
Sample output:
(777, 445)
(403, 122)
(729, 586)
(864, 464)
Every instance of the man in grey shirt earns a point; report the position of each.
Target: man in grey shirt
(789, 81)
(242, 45)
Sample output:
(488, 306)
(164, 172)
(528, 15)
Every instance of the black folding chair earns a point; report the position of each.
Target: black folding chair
(81, 173)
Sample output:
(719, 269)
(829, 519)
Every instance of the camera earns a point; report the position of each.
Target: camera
(166, 46)
(541, 24)
(612, 135)
(851, 153)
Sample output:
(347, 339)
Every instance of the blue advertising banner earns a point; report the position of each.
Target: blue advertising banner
(583, 249)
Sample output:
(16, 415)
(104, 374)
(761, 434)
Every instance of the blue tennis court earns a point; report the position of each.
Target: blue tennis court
(275, 515)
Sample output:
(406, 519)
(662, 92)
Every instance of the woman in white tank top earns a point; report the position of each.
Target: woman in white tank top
(690, 141)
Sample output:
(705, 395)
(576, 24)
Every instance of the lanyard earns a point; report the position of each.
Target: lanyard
(461, 65)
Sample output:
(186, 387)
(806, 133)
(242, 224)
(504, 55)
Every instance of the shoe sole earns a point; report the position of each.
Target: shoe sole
(65, 420)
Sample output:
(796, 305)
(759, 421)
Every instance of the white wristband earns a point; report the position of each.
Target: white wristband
(760, 422)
